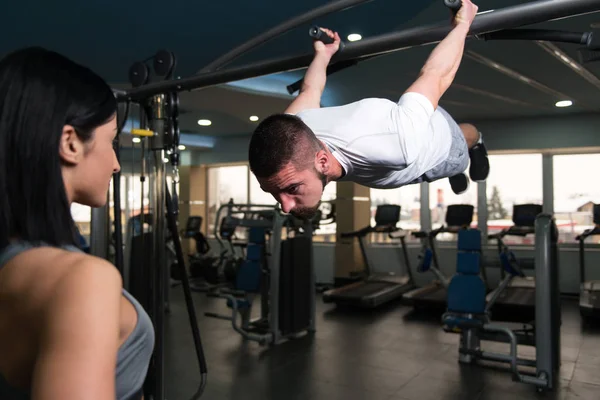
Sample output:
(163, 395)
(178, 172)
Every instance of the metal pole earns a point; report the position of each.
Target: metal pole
(545, 281)
(548, 183)
(274, 278)
(506, 18)
(99, 229)
(425, 214)
(158, 124)
(280, 29)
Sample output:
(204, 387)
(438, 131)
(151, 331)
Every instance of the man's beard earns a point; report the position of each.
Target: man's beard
(310, 212)
(305, 212)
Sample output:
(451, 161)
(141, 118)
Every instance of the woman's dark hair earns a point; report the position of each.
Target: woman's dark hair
(41, 92)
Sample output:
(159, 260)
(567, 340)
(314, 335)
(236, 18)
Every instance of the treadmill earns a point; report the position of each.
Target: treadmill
(516, 303)
(434, 295)
(375, 289)
(589, 291)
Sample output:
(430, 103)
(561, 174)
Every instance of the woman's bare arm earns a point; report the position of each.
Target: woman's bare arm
(80, 337)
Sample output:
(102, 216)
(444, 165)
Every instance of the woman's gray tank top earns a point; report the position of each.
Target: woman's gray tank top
(133, 356)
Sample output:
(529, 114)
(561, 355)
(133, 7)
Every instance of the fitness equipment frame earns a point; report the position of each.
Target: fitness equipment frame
(273, 299)
(475, 328)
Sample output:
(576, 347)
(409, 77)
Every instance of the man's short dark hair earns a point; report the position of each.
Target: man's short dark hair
(279, 139)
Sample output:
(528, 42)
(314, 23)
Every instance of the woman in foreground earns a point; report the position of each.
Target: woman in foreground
(68, 330)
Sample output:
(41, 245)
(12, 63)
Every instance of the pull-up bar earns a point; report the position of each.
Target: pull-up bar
(506, 18)
(329, 8)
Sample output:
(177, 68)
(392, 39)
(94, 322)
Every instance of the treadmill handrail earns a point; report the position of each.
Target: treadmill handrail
(398, 233)
(370, 229)
(514, 230)
(588, 232)
(432, 233)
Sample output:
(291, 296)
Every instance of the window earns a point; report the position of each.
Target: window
(514, 179)
(441, 196)
(326, 233)
(575, 195)
(82, 215)
(257, 195)
(225, 183)
(408, 198)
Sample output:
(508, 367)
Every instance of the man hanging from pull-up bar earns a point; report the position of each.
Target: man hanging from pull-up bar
(374, 142)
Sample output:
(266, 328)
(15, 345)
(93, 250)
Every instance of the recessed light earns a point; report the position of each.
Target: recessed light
(204, 122)
(136, 140)
(181, 147)
(564, 103)
(354, 37)
(253, 118)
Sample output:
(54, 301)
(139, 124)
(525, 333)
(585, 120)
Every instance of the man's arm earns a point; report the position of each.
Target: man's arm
(440, 69)
(316, 76)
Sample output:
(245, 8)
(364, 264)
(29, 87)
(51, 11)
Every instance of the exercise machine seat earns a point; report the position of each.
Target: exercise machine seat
(466, 291)
(466, 295)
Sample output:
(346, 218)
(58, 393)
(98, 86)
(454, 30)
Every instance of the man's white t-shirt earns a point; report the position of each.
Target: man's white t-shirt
(382, 144)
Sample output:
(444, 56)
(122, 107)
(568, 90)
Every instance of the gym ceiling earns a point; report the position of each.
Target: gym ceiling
(497, 80)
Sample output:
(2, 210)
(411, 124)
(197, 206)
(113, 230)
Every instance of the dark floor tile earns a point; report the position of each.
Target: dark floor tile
(571, 339)
(582, 391)
(500, 385)
(587, 360)
(352, 374)
(487, 394)
(586, 374)
(394, 360)
(332, 391)
(425, 387)
(567, 369)
(569, 353)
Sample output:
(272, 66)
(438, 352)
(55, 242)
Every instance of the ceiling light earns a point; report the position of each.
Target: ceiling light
(136, 140)
(181, 147)
(165, 160)
(354, 37)
(253, 118)
(564, 103)
(204, 122)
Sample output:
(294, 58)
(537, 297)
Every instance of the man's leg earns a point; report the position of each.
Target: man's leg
(480, 165)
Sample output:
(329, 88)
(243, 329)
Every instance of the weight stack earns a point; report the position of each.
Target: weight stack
(295, 285)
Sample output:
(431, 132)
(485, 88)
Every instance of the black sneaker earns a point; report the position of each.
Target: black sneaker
(480, 164)
(459, 183)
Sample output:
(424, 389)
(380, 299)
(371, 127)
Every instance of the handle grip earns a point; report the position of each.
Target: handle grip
(318, 34)
(453, 5)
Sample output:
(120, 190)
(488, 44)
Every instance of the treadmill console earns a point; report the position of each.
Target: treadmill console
(193, 226)
(459, 215)
(525, 214)
(387, 215)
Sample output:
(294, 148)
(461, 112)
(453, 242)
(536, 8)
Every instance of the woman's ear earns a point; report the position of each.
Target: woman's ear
(70, 148)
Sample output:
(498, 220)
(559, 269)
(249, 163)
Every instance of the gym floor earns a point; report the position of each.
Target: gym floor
(392, 353)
